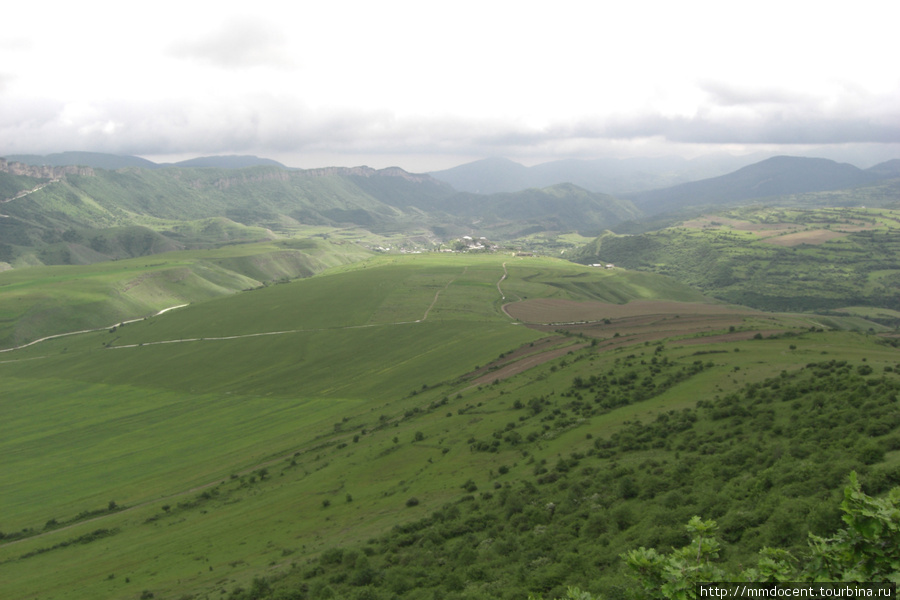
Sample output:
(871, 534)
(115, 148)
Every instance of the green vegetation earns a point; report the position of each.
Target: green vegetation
(773, 259)
(866, 551)
(131, 212)
(325, 418)
(572, 507)
(385, 429)
(42, 301)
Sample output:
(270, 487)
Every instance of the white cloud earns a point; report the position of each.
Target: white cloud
(239, 42)
(400, 78)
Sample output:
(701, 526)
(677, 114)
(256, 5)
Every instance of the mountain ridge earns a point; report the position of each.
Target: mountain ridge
(604, 175)
(101, 160)
(775, 176)
(89, 217)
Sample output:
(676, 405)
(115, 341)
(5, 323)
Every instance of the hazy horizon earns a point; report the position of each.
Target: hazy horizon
(426, 87)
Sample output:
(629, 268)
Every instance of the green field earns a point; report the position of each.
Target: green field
(41, 301)
(236, 439)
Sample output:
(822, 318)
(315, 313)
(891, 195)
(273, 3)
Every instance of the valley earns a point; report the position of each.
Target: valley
(260, 407)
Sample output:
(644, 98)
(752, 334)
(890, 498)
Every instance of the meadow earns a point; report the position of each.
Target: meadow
(234, 443)
(48, 300)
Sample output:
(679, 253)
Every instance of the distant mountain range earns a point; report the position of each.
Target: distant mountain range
(488, 176)
(100, 160)
(606, 175)
(52, 214)
(770, 178)
(78, 215)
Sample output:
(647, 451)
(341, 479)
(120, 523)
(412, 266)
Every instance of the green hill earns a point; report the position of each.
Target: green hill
(79, 218)
(467, 426)
(42, 301)
(87, 218)
(230, 161)
(98, 160)
(773, 177)
(772, 258)
(562, 207)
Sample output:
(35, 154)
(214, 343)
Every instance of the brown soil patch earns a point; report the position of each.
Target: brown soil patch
(812, 236)
(682, 323)
(630, 324)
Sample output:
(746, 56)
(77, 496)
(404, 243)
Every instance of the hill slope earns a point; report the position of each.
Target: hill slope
(89, 216)
(229, 162)
(387, 429)
(777, 176)
(43, 301)
(772, 258)
(101, 160)
(86, 159)
(607, 175)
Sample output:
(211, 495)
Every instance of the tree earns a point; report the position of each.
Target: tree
(866, 550)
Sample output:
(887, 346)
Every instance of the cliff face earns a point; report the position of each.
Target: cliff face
(227, 182)
(366, 172)
(43, 171)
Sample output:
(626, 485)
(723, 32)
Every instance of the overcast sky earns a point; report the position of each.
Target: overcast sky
(428, 85)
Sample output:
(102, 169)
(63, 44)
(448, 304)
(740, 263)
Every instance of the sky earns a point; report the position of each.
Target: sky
(430, 85)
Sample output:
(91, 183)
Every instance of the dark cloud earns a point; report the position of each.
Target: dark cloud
(238, 43)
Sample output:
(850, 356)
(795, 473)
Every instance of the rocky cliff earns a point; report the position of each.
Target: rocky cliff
(42, 171)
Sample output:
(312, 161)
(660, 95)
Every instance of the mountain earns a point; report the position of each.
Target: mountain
(607, 175)
(889, 169)
(93, 215)
(231, 161)
(561, 207)
(97, 160)
(488, 176)
(776, 176)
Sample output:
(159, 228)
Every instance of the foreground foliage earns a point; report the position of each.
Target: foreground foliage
(766, 463)
(866, 550)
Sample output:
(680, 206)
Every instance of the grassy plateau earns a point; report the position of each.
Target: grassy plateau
(364, 432)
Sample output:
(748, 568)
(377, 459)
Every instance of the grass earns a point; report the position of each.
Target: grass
(773, 259)
(43, 301)
(330, 409)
